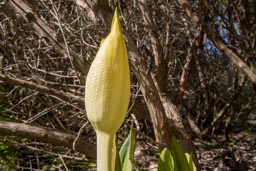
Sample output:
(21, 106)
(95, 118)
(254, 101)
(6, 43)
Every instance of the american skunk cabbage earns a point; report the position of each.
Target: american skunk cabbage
(107, 92)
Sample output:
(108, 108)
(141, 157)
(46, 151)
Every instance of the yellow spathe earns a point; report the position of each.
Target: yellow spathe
(107, 89)
(107, 92)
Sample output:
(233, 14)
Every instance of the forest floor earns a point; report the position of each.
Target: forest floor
(237, 153)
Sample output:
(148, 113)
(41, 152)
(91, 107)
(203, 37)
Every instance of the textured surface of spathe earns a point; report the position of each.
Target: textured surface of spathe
(108, 83)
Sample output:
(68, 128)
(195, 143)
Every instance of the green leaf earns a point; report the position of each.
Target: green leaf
(115, 156)
(191, 163)
(127, 150)
(165, 162)
(180, 160)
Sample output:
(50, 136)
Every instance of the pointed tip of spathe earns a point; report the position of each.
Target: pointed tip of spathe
(116, 25)
(116, 14)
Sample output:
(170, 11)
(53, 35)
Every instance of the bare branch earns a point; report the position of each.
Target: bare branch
(223, 112)
(47, 135)
(67, 97)
(203, 85)
(230, 54)
(161, 68)
(186, 69)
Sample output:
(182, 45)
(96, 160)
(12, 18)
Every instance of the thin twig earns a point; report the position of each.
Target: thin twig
(78, 135)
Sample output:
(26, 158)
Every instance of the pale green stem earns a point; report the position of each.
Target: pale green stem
(104, 151)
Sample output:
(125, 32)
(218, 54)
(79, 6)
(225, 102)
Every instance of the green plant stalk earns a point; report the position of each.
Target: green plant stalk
(104, 151)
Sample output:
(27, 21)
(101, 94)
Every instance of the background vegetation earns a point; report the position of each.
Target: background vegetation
(192, 70)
